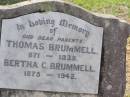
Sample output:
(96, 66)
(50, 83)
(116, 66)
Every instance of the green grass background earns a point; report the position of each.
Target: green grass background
(115, 7)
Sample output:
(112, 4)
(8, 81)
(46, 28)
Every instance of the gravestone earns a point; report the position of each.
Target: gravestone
(61, 49)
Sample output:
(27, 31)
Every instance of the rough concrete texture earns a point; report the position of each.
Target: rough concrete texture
(116, 32)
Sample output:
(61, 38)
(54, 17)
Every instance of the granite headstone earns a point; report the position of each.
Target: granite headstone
(59, 47)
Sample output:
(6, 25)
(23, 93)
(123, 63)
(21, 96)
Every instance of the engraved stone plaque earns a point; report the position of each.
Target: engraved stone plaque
(50, 51)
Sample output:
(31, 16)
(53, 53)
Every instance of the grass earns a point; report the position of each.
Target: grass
(115, 7)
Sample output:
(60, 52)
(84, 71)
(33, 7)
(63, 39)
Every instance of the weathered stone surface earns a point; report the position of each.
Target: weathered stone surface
(112, 76)
(51, 55)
